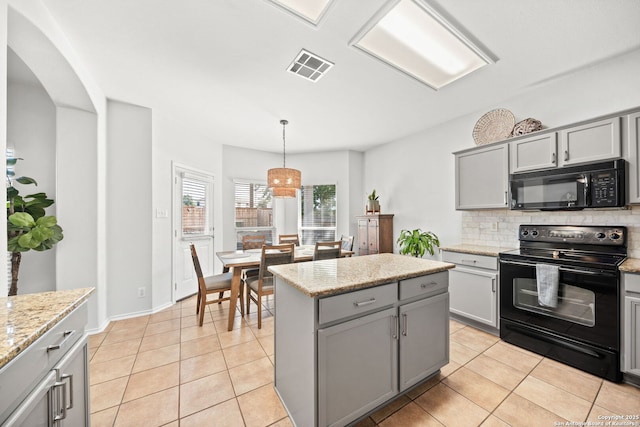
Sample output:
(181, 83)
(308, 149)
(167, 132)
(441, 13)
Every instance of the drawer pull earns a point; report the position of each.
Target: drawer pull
(424, 285)
(363, 303)
(66, 335)
(468, 261)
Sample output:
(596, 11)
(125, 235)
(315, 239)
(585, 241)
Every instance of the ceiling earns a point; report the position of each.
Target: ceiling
(218, 66)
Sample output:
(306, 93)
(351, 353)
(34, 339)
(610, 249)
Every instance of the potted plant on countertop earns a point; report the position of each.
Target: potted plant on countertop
(373, 204)
(417, 242)
(27, 225)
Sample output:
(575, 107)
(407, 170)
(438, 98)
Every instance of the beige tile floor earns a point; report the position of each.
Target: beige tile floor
(164, 370)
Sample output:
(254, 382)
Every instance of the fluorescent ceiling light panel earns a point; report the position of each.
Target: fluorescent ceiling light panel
(415, 39)
(309, 66)
(309, 10)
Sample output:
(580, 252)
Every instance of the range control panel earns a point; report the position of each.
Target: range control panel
(582, 234)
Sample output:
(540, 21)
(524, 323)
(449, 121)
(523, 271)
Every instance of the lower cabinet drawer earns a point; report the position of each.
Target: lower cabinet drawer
(631, 282)
(356, 303)
(430, 284)
(471, 260)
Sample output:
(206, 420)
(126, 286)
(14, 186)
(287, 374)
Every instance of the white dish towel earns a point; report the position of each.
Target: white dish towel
(547, 278)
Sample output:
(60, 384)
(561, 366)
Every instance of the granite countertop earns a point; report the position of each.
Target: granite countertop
(476, 249)
(631, 265)
(332, 276)
(27, 317)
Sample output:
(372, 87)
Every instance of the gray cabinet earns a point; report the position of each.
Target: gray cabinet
(341, 356)
(424, 328)
(633, 151)
(482, 177)
(631, 340)
(347, 387)
(48, 383)
(473, 287)
(538, 151)
(598, 140)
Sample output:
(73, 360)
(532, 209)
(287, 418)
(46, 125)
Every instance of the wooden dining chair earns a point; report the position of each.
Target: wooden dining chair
(217, 283)
(253, 242)
(262, 285)
(289, 238)
(327, 250)
(347, 242)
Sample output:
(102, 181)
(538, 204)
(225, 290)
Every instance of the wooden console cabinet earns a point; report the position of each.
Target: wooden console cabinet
(375, 234)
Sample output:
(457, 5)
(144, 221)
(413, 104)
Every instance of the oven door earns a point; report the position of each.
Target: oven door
(550, 192)
(587, 308)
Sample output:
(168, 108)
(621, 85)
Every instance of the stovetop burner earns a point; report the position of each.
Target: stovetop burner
(588, 246)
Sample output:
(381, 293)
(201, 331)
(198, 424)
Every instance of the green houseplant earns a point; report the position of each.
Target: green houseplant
(373, 204)
(28, 227)
(417, 242)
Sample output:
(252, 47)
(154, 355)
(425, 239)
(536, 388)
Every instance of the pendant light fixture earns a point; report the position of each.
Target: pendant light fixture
(283, 181)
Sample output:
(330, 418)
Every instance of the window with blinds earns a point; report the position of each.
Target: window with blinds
(195, 217)
(317, 213)
(253, 211)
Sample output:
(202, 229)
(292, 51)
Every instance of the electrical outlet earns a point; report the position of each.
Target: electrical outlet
(142, 291)
(494, 226)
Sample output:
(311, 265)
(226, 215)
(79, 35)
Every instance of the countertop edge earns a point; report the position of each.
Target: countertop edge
(630, 265)
(476, 249)
(23, 344)
(333, 285)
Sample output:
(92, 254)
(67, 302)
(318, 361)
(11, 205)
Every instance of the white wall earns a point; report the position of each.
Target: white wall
(174, 143)
(129, 192)
(415, 176)
(31, 130)
(80, 139)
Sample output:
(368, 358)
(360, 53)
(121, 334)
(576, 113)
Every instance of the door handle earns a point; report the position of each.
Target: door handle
(61, 408)
(405, 324)
(505, 198)
(493, 285)
(70, 377)
(553, 158)
(566, 155)
(394, 327)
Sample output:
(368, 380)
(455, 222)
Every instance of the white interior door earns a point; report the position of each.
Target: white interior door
(193, 214)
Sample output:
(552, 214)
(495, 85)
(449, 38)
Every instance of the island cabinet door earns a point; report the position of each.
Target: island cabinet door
(357, 367)
(424, 332)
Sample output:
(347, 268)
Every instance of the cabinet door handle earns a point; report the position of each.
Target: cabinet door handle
(66, 335)
(394, 327)
(566, 155)
(505, 198)
(61, 410)
(467, 261)
(405, 324)
(553, 158)
(363, 303)
(70, 377)
(493, 285)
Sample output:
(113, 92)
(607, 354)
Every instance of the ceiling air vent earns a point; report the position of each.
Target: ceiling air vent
(309, 66)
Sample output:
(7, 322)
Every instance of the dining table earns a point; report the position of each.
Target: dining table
(236, 261)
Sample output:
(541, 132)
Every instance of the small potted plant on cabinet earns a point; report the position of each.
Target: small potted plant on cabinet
(417, 242)
(373, 205)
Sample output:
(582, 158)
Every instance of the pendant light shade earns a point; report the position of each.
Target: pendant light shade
(283, 181)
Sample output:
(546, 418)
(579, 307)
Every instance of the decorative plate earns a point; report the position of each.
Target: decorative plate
(493, 126)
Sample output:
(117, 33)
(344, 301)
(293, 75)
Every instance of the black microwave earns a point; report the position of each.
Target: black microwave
(591, 185)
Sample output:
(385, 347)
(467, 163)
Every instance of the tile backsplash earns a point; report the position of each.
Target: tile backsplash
(499, 227)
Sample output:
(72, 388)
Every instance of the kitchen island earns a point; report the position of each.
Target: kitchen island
(352, 334)
(44, 358)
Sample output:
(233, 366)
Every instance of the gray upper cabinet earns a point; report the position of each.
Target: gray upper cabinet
(482, 177)
(534, 152)
(633, 123)
(598, 140)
